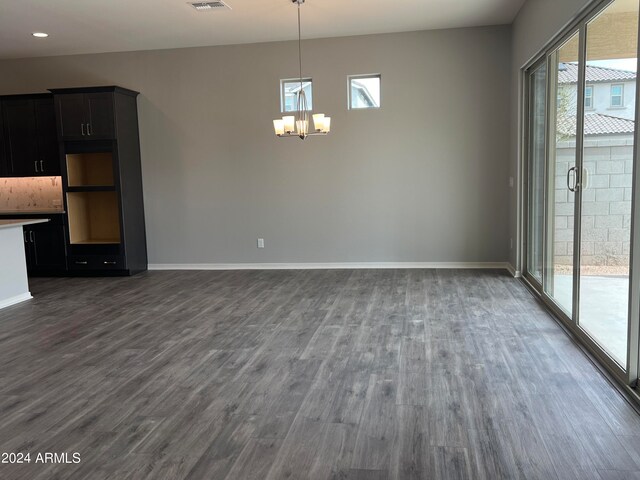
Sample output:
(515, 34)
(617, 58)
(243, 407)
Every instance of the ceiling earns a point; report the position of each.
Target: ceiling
(92, 26)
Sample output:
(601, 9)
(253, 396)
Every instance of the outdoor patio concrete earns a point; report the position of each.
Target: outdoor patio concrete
(603, 309)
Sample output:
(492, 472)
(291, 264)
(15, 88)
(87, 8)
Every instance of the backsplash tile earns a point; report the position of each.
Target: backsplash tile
(30, 194)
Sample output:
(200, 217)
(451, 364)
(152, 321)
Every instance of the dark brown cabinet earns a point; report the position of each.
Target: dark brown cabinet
(44, 244)
(46, 138)
(101, 118)
(3, 161)
(45, 248)
(85, 116)
(102, 180)
(30, 144)
(90, 137)
(20, 132)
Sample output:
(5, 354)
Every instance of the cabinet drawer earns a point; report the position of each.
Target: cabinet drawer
(96, 262)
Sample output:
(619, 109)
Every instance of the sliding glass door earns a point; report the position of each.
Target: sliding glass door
(562, 158)
(537, 100)
(580, 150)
(607, 177)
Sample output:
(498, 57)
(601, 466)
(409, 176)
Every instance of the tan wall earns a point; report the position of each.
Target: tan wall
(422, 179)
(602, 44)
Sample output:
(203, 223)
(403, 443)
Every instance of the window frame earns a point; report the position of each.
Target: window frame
(361, 76)
(589, 97)
(613, 85)
(283, 82)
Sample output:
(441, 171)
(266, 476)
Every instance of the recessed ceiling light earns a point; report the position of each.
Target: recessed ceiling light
(40, 34)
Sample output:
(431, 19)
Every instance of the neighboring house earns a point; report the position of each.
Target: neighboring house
(608, 91)
(608, 145)
(361, 97)
(289, 93)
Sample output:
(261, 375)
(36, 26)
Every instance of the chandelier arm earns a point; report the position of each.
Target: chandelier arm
(303, 115)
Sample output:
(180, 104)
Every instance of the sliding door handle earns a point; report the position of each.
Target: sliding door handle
(82, 127)
(36, 164)
(574, 187)
(31, 236)
(41, 166)
(89, 129)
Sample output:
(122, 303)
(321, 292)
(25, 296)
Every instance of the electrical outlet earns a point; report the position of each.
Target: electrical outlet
(261, 243)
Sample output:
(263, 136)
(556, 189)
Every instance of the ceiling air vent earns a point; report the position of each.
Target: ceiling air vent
(210, 6)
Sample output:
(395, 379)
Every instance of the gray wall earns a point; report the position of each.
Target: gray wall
(536, 24)
(422, 179)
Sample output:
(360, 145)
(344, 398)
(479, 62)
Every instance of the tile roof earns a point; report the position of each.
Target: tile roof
(569, 74)
(598, 124)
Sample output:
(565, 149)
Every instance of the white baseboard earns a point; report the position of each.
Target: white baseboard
(7, 302)
(515, 273)
(329, 266)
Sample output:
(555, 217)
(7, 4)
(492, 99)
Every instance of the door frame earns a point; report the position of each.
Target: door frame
(526, 152)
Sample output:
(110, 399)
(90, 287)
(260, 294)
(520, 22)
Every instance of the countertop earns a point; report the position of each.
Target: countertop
(21, 222)
(26, 213)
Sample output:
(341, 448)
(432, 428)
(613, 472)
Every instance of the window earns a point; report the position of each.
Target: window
(617, 94)
(588, 97)
(364, 91)
(289, 94)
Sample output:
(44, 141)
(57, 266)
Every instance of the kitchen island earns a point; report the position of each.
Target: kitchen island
(14, 284)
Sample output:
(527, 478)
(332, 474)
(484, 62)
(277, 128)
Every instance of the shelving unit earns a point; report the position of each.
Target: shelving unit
(90, 169)
(102, 180)
(94, 218)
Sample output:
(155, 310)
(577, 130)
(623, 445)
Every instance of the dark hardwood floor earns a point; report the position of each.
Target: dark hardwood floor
(362, 374)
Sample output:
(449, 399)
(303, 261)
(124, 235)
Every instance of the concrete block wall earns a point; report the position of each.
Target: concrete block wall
(606, 202)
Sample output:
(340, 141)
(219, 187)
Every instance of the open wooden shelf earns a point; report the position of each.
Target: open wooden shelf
(94, 218)
(90, 169)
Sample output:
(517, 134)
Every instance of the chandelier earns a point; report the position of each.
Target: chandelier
(297, 125)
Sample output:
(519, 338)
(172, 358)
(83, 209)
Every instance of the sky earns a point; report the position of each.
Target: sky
(629, 64)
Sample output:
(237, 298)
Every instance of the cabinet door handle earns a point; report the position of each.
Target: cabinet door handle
(41, 166)
(26, 240)
(89, 129)
(36, 164)
(82, 126)
(78, 262)
(31, 236)
(109, 263)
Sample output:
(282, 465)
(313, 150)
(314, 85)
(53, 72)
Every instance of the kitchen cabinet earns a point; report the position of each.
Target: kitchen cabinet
(13, 267)
(90, 137)
(45, 248)
(44, 243)
(3, 161)
(30, 143)
(101, 180)
(85, 115)
(47, 138)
